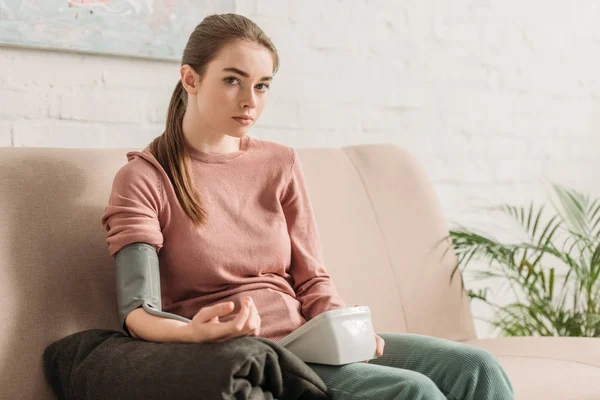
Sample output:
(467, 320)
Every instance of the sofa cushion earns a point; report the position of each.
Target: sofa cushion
(548, 367)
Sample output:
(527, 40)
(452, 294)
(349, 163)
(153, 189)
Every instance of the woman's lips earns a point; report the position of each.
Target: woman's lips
(243, 121)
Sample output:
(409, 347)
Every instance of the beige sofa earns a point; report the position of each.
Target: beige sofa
(378, 217)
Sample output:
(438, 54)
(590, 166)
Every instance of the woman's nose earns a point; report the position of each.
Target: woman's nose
(249, 99)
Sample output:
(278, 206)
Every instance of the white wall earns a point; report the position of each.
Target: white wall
(491, 96)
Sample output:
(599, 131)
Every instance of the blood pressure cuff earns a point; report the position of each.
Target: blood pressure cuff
(138, 282)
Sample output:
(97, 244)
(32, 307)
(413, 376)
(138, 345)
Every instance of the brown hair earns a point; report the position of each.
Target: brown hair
(207, 39)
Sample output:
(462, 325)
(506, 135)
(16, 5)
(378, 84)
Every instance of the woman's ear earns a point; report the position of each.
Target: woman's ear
(189, 79)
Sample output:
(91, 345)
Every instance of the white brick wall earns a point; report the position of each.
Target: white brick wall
(491, 96)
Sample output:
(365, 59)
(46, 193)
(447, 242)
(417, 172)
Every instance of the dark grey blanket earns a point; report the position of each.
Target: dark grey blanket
(106, 364)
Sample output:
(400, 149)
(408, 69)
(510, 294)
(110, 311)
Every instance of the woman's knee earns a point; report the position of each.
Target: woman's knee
(486, 367)
(481, 359)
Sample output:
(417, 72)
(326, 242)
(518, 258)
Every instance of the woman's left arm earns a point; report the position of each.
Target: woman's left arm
(312, 284)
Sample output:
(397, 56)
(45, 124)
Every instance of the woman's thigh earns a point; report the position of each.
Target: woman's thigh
(362, 381)
(459, 370)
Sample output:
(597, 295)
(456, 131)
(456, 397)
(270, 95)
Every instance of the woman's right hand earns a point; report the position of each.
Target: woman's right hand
(206, 327)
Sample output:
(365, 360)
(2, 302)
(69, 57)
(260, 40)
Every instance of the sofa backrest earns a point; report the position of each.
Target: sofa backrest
(378, 217)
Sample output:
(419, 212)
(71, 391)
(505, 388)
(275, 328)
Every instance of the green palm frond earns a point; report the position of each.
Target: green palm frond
(547, 303)
(572, 206)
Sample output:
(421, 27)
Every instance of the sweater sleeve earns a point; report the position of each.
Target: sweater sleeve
(314, 288)
(133, 207)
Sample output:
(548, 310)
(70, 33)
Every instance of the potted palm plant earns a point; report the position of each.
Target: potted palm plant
(547, 303)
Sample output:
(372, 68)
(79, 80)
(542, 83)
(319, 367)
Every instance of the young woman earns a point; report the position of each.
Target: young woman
(230, 220)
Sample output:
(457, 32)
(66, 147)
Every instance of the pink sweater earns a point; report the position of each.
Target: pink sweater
(261, 238)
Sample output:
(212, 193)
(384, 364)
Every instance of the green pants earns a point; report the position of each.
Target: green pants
(415, 367)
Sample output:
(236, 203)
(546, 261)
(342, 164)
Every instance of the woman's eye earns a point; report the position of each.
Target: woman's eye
(236, 79)
(266, 87)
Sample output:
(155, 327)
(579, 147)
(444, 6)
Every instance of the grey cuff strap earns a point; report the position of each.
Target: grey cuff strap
(138, 282)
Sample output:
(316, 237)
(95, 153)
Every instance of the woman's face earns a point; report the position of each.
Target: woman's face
(236, 83)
